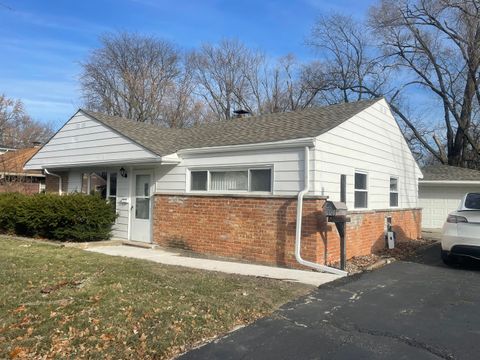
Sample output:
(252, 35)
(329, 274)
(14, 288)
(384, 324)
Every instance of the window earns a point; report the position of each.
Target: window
(343, 188)
(472, 201)
(251, 180)
(198, 180)
(112, 190)
(261, 180)
(361, 192)
(393, 192)
(229, 180)
(142, 197)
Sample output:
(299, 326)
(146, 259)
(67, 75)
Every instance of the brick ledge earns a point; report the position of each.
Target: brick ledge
(382, 210)
(260, 196)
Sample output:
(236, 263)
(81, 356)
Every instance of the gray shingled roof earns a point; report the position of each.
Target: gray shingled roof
(248, 130)
(449, 173)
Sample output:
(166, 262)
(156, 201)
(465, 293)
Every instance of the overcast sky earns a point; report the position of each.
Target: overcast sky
(43, 42)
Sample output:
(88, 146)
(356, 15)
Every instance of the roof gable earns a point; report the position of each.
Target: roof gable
(83, 140)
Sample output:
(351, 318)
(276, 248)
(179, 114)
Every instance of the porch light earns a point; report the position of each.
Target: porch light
(123, 172)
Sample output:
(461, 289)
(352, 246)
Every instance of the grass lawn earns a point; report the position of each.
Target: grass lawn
(68, 303)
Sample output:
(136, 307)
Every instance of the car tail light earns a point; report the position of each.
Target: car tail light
(456, 219)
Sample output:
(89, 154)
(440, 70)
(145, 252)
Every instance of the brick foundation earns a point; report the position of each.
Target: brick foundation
(262, 229)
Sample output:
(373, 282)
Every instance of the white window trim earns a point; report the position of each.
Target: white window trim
(366, 190)
(393, 192)
(246, 168)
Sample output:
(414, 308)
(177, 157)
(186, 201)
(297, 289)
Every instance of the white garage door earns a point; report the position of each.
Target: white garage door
(439, 200)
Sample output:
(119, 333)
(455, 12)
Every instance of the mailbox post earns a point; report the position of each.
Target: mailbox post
(336, 212)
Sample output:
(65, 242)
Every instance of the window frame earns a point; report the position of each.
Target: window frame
(390, 192)
(227, 169)
(355, 190)
(109, 196)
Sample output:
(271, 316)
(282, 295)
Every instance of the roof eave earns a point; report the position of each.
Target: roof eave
(251, 146)
(450, 182)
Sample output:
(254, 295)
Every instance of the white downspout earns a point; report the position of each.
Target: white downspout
(59, 180)
(298, 230)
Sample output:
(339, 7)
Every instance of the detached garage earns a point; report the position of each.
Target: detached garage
(441, 190)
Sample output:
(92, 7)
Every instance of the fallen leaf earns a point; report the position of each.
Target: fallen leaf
(19, 309)
(17, 352)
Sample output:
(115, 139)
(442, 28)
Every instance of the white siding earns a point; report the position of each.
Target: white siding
(287, 168)
(438, 201)
(370, 142)
(120, 229)
(83, 140)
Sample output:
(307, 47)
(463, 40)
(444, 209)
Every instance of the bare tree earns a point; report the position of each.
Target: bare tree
(291, 85)
(132, 76)
(425, 46)
(227, 76)
(17, 128)
(436, 44)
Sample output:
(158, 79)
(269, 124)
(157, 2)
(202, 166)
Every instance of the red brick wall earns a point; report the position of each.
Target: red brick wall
(262, 229)
(25, 188)
(51, 182)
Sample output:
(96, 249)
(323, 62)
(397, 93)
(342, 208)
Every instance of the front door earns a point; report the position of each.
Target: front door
(141, 206)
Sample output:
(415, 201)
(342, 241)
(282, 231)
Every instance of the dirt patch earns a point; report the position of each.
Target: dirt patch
(403, 250)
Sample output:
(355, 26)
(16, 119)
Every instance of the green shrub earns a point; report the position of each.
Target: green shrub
(10, 203)
(72, 217)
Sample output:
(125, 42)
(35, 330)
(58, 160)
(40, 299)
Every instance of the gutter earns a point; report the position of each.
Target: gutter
(298, 230)
(258, 146)
(449, 182)
(59, 180)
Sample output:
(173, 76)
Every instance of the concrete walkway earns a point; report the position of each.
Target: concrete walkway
(171, 258)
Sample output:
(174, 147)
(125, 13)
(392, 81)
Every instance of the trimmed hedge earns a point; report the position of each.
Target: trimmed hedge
(72, 217)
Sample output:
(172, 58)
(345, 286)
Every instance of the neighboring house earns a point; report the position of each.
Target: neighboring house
(230, 188)
(5, 148)
(441, 191)
(13, 178)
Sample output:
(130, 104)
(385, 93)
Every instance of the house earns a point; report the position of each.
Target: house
(5, 148)
(441, 191)
(13, 178)
(231, 188)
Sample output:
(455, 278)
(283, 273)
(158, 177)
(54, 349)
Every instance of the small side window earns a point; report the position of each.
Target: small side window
(361, 192)
(393, 192)
(198, 180)
(112, 190)
(261, 180)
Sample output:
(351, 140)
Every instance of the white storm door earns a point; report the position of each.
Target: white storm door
(141, 206)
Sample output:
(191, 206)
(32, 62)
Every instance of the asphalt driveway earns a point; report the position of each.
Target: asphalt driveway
(407, 310)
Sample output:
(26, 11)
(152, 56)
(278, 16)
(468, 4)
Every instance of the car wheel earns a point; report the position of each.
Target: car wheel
(447, 258)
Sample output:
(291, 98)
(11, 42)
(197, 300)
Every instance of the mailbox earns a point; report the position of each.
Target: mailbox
(337, 212)
(334, 209)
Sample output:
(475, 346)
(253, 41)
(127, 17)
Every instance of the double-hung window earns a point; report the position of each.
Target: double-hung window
(361, 191)
(393, 191)
(238, 180)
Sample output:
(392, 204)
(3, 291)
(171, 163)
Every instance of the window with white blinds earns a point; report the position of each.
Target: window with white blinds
(241, 180)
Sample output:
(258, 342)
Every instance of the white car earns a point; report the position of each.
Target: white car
(461, 231)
